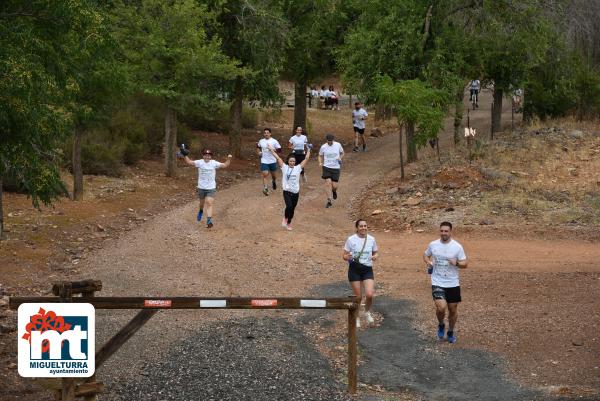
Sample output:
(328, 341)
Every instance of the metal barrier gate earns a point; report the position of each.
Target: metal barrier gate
(69, 388)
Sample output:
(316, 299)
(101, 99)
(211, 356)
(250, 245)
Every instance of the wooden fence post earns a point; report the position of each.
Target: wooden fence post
(352, 349)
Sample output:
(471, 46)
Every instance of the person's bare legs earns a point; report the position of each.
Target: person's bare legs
(369, 293)
(208, 206)
(452, 315)
(440, 310)
(328, 188)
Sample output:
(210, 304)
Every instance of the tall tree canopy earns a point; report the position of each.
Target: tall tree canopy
(172, 57)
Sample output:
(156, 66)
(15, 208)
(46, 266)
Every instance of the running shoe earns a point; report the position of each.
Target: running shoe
(440, 331)
(451, 337)
(199, 217)
(284, 223)
(369, 317)
(274, 185)
(289, 227)
(266, 191)
(355, 149)
(334, 192)
(328, 204)
(358, 322)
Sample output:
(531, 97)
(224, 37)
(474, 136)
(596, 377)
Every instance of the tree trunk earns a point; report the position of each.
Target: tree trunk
(299, 104)
(497, 112)
(77, 168)
(411, 146)
(1, 211)
(170, 140)
(235, 135)
(458, 115)
(401, 153)
(379, 114)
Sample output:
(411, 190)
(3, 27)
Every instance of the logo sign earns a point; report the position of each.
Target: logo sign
(263, 302)
(56, 340)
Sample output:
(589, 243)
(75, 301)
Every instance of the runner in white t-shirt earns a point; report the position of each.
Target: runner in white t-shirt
(360, 251)
(330, 158)
(207, 185)
(359, 115)
(268, 163)
(297, 144)
(444, 257)
(290, 183)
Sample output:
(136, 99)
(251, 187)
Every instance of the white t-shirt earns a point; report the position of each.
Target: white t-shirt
(298, 142)
(267, 157)
(444, 274)
(290, 180)
(357, 116)
(475, 84)
(207, 173)
(331, 154)
(327, 93)
(354, 244)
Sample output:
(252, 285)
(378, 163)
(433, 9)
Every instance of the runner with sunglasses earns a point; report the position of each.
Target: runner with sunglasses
(207, 185)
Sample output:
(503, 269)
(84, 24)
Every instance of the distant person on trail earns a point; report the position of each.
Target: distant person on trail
(290, 183)
(330, 159)
(360, 251)
(207, 186)
(444, 257)
(268, 163)
(334, 100)
(359, 115)
(475, 86)
(298, 144)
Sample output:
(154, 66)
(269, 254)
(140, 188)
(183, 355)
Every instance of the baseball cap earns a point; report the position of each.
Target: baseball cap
(329, 137)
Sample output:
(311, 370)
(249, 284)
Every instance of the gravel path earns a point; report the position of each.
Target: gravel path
(273, 361)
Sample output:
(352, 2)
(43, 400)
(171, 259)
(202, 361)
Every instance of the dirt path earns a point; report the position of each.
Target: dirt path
(248, 254)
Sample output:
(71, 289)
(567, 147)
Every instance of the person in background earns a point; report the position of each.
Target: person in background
(268, 163)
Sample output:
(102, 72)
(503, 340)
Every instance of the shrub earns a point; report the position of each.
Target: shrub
(101, 159)
(217, 118)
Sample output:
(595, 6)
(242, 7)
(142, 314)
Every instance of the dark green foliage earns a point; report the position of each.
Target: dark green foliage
(217, 119)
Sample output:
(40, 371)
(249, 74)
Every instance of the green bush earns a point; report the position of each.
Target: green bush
(101, 159)
(217, 118)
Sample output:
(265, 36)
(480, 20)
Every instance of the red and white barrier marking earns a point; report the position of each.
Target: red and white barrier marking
(313, 303)
(157, 303)
(213, 303)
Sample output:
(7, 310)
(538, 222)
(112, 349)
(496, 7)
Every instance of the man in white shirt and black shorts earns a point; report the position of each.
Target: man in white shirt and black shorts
(359, 115)
(444, 257)
(298, 144)
(268, 163)
(330, 158)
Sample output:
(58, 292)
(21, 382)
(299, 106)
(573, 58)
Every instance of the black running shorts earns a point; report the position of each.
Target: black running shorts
(333, 173)
(451, 294)
(360, 272)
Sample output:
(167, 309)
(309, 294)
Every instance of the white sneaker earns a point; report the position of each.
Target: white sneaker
(289, 227)
(284, 223)
(358, 322)
(369, 318)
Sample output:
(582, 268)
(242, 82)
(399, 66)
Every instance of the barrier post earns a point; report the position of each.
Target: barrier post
(352, 349)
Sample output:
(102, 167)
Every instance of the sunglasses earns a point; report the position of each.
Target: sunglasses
(207, 153)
